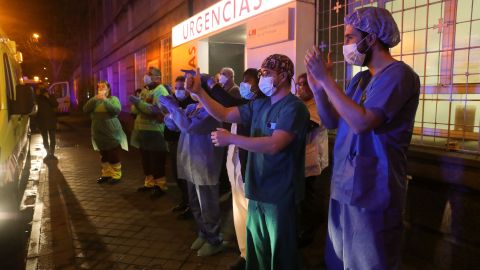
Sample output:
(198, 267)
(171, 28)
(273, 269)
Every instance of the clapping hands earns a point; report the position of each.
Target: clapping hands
(194, 83)
(134, 99)
(168, 102)
(317, 69)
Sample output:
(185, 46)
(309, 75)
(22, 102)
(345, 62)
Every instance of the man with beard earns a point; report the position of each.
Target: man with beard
(374, 119)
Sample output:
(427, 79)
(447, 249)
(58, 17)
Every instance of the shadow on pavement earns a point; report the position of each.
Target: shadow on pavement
(74, 240)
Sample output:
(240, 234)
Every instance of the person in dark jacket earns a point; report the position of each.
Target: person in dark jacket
(47, 120)
(183, 99)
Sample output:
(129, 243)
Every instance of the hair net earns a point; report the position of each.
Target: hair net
(279, 63)
(378, 21)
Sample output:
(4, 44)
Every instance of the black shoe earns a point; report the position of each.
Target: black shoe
(157, 192)
(103, 179)
(186, 214)
(179, 207)
(144, 189)
(240, 263)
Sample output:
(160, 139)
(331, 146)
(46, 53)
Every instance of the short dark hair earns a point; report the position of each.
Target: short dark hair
(251, 72)
(180, 79)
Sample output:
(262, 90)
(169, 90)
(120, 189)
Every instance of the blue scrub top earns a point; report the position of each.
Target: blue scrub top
(271, 178)
(370, 168)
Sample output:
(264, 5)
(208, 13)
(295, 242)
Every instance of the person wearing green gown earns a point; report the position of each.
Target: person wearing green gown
(107, 133)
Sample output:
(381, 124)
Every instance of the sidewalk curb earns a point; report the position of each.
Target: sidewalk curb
(34, 240)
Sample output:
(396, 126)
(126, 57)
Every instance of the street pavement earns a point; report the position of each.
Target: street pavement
(79, 224)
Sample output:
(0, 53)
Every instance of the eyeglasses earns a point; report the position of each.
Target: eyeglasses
(265, 73)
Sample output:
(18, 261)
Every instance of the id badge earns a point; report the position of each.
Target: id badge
(271, 125)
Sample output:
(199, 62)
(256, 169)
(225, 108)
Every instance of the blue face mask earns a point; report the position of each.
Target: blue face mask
(147, 79)
(180, 94)
(245, 91)
(266, 86)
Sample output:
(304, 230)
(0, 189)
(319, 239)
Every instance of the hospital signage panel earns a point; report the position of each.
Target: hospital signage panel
(220, 15)
(269, 29)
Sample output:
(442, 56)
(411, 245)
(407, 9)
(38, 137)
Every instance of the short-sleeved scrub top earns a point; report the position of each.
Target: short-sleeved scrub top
(370, 167)
(271, 178)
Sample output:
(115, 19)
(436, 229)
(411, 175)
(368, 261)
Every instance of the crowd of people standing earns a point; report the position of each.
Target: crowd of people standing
(271, 135)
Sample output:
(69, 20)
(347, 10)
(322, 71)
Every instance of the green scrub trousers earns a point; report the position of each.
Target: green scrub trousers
(272, 236)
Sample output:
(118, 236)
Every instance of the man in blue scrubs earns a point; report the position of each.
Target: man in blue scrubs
(374, 118)
(275, 163)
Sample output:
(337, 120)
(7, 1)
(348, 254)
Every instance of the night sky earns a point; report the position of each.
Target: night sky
(58, 22)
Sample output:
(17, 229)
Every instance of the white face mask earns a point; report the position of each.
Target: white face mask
(245, 91)
(180, 94)
(223, 79)
(147, 80)
(352, 55)
(266, 86)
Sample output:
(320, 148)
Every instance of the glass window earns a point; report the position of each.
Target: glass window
(408, 4)
(8, 83)
(460, 64)
(409, 22)
(408, 59)
(420, 41)
(433, 64)
(167, 61)
(421, 18)
(421, 2)
(395, 5)
(397, 16)
(408, 40)
(433, 40)
(441, 43)
(462, 33)
(419, 66)
(476, 10)
(475, 34)
(435, 13)
(464, 14)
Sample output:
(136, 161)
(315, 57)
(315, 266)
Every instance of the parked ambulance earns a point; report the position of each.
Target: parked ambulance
(16, 104)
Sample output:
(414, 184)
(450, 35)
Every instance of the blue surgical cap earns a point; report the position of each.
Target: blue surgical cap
(378, 21)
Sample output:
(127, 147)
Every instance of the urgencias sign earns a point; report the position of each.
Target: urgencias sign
(220, 15)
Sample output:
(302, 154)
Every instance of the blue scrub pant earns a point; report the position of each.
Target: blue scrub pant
(205, 207)
(272, 236)
(362, 239)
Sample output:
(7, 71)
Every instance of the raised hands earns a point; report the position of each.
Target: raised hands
(168, 102)
(134, 99)
(317, 69)
(100, 96)
(194, 83)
